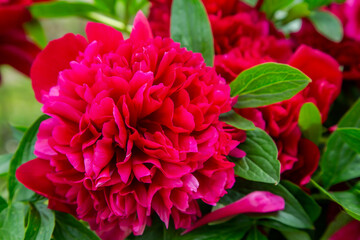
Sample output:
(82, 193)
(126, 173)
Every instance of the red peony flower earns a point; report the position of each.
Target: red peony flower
(134, 129)
(15, 48)
(244, 38)
(345, 52)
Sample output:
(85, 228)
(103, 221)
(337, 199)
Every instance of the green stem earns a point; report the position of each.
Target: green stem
(98, 17)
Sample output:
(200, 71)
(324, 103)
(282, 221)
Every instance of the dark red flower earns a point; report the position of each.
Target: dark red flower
(134, 130)
(345, 52)
(15, 48)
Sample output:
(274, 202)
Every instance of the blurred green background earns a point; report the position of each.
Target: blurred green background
(18, 106)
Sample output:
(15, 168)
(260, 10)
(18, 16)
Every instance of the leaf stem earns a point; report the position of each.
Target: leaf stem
(98, 17)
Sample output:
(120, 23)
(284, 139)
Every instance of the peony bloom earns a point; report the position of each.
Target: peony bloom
(345, 52)
(134, 130)
(243, 38)
(15, 48)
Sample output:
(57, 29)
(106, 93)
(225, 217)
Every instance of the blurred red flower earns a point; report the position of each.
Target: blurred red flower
(134, 129)
(345, 52)
(15, 48)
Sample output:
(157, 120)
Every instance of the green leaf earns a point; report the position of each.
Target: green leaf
(293, 215)
(266, 84)
(22, 155)
(234, 119)
(340, 163)
(312, 209)
(299, 10)
(260, 163)
(349, 200)
(317, 3)
(328, 25)
(190, 26)
(106, 5)
(271, 6)
(234, 229)
(288, 232)
(251, 3)
(4, 163)
(310, 122)
(61, 9)
(255, 234)
(340, 221)
(3, 204)
(12, 222)
(41, 223)
(67, 227)
(351, 136)
(36, 32)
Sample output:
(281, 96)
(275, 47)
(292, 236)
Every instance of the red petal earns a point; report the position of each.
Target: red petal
(349, 231)
(108, 36)
(33, 175)
(141, 30)
(54, 58)
(255, 202)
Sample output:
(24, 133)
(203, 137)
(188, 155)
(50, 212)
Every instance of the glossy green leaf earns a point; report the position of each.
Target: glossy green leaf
(266, 84)
(23, 154)
(351, 136)
(67, 227)
(310, 122)
(61, 9)
(12, 222)
(41, 222)
(349, 200)
(310, 206)
(190, 26)
(288, 232)
(255, 234)
(234, 119)
(293, 215)
(328, 25)
(260, 163)
(339, 162)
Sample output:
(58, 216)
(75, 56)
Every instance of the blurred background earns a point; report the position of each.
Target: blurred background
(18, 106)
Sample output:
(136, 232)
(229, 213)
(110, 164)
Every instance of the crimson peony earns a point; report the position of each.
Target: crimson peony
(243, 38)
(345, 52)
(15, 48)
(134, 129)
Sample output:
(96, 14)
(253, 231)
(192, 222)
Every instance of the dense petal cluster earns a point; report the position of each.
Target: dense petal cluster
(134, 129)
(345, 52)
(243, 38)
(15, 49)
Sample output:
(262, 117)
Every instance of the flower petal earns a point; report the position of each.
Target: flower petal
(108, 36)
(141, 30)
(255, 202)
(54, 58)
(33, 175)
